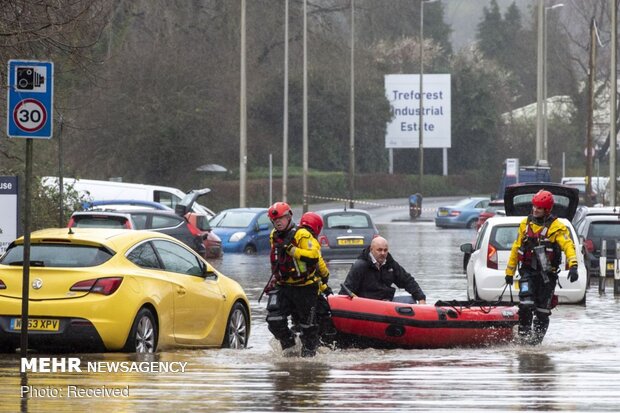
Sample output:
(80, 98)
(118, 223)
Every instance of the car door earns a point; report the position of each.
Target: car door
(264, 227)
(198, 298)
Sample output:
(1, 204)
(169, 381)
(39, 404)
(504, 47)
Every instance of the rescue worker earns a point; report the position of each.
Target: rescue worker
(298, 271)
(538, 252)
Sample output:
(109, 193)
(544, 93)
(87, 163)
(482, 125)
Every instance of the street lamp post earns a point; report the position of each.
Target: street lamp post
(539, 81)
(243, 138)
(545, 140)
(421, 112)
(352, 113)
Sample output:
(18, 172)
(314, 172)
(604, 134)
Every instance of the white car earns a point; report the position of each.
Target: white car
(486, 268)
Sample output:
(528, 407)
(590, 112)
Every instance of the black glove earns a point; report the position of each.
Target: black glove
(573, 274)
(328, 291)
(285, 247)
(509, 279)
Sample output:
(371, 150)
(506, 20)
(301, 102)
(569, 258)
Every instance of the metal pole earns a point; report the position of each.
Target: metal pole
(590, 110)
(61, 185)
(26, 261)
(420, 115)
(243, 157)
(285, 110)
(539, 82)
(270, 179)
(305, 112)
(544, 117)
(545, 145)
(614, 92)
(352, 115)
(602, 267)
(617, 269)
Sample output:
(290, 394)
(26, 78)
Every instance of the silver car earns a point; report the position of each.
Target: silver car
(346, 232)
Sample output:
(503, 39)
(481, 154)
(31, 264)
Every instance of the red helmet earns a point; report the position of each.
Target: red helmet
(279, 209)
(313, 221)
(543, 199)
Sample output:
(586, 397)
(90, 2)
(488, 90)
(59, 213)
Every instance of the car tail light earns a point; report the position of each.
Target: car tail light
(589, 244)
(105, 286)
(492, 257)
(455, 213)
(2, 285)
(323, 241)
(193, 229)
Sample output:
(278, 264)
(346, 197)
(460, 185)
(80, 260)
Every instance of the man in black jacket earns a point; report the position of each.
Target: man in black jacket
(374, 272)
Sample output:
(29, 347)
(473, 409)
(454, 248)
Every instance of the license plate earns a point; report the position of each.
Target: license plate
(39, 324)
(350, 242)
(442, 213)
(610, 266)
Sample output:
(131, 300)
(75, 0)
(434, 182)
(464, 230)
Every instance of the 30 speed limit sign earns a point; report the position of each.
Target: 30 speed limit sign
(30, 115)
(30, 99)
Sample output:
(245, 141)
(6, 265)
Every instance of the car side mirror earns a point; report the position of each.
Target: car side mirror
(467, 248)
(263, 227)
(209, 272)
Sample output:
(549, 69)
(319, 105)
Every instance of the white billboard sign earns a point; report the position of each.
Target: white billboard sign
(8, 211)
(403, 92)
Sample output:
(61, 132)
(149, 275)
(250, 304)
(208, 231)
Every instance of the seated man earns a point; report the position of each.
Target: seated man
(374, 272)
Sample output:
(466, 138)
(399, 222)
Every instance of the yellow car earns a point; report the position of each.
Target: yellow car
(94, 289)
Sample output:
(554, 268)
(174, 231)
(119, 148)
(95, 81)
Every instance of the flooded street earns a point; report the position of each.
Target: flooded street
(577, 368)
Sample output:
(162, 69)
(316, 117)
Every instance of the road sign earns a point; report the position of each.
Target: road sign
(30, 99)
(8, 211)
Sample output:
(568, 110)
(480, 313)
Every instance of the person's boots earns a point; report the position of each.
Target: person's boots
(541, 324)
(307, 352)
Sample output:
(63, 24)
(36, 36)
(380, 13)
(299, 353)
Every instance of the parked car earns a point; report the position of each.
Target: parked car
(585, 211)
(212, 243)
(592, 230)
(117, 290)
(243, 230)
(166, 222)
(186, 208)
(463, 214)
(495, 207)
(346, 232)
(489, 254)
(114, 204)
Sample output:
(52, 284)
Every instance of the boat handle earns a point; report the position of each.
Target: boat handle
(405, 310)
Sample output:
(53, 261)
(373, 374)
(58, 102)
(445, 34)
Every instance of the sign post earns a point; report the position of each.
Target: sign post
(30, 114)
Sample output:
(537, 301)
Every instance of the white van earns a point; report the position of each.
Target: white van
(599, 187)
(104, 190)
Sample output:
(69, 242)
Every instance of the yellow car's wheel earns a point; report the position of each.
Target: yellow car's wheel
(143, 335)
(237, 328)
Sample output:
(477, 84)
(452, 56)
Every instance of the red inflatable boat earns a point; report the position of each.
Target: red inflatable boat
(373, 323)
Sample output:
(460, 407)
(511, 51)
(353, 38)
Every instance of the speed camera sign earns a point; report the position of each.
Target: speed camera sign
(30, 99)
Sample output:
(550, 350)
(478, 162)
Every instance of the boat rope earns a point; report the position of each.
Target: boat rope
(499, 300)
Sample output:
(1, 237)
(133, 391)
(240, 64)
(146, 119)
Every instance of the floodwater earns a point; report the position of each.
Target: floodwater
(577, 368)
